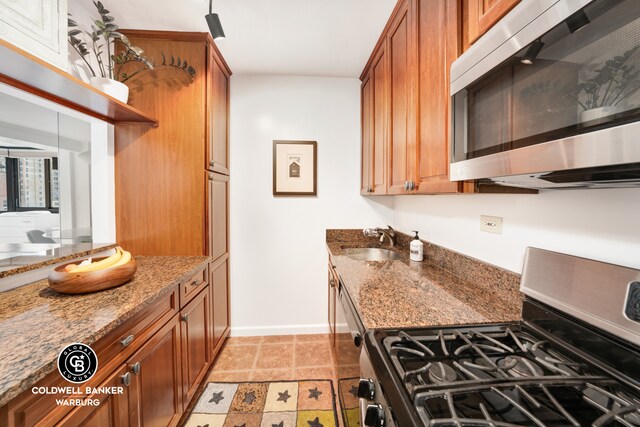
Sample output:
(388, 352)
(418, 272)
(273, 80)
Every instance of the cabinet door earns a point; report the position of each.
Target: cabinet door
(380, 138)
(195, 319)
(218, 117)
(402, 113)
(366, 134)
(218, 214)
(112, 410)
(481, 15)
(438, 48)
(156, 382)
(219, 283)
(38, 27)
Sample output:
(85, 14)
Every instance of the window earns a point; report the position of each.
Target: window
(29, 183)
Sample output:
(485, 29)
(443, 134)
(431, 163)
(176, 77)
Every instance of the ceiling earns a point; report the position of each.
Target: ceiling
(290, 37)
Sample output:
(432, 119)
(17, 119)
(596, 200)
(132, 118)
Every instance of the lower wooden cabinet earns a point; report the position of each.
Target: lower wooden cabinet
(156, 380)
(219, 279)
(164, 354)
(113, 409)
(196, 350)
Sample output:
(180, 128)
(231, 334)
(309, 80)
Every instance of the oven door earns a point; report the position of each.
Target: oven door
(349, 334)
(562, 93)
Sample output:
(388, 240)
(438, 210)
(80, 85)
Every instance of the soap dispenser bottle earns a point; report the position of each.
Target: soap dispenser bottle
(416, 248)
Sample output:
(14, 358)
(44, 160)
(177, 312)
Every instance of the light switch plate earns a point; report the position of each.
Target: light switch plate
(491, 224)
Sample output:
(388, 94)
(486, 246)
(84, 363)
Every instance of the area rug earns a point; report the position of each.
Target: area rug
(309, 403)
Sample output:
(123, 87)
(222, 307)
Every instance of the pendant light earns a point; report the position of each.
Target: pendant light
(213, 20)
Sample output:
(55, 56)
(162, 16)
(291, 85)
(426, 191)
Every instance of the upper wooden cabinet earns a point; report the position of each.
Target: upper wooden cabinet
(402, 117)
(218, 92)
(375, 125)
(161, 196)
(405, 100)
(480, 15)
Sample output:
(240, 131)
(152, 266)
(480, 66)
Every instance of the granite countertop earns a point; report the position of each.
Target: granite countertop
(37, 322)
(406, 294)
(32, 256)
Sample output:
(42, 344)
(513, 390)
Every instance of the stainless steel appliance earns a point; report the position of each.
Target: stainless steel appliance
(573, 360)
(348, 345)
(550, 97)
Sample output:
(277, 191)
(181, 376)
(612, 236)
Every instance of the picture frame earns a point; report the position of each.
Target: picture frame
(295, 168)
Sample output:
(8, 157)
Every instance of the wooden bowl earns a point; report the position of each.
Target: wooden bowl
(90, 281)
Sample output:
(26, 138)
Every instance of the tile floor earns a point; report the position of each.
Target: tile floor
(275, 358)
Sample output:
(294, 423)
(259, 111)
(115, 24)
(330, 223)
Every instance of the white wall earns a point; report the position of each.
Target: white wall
(278, 255)
(597, 224)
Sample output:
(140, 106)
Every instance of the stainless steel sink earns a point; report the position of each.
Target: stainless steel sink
(371, 254)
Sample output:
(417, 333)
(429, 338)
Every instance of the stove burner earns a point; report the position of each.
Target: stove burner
(519, 366)
(439, 373)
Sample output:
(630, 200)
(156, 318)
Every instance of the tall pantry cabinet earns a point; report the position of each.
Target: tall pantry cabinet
(172, 182)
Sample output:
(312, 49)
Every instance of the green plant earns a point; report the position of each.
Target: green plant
(609, 83)
(106, 39)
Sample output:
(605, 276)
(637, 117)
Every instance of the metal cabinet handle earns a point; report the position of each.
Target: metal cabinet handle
(406, 185)
(212, 163)
(211, 177)
(128, 340)
(126, 379)
(412, 185)
(195, 283)
(185, 318)
(136, 368)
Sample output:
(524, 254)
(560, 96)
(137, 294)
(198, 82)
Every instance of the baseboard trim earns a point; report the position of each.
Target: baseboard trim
(251, 331)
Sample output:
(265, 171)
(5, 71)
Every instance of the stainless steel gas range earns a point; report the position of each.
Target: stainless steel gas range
(573, 360)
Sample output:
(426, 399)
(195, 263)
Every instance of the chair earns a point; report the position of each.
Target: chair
(36, 236)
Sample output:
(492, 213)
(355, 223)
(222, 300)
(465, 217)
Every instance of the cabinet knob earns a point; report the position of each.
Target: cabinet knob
(128, 340)
(412, 185)
(136, 368)
(126, 379)
(185, 318)
(195, 283)
(406, 185)
(332, 282)
(212, 163)
(211, 176)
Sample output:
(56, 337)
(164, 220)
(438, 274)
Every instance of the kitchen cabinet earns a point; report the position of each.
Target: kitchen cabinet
(193, 113)
(439, 46)
(219, 283)
(218, 102)
(38, 27)
(480, 15)
(113, 409)
(196, 349)
(156, 381)
(375, 125)
(218, 195)
(406, 111)
(402, 117)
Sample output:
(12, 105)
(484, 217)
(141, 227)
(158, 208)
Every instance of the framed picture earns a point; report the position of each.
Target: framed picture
(294, 168)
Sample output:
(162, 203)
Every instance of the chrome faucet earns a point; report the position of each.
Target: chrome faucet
(381, 232)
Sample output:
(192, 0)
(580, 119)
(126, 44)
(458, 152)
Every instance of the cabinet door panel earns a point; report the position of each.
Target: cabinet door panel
(219, 118)
(402, 109)
(438, 48)
(218, 214)
(481, 15)
(195, 320)
(220, 290)
(380, 123)
(113, 409)
(367, 143)
(158, 385)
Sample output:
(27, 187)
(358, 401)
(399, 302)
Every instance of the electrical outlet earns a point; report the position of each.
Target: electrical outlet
(491, 224)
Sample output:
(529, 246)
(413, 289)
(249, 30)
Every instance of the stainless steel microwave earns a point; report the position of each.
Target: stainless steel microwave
(550, 97)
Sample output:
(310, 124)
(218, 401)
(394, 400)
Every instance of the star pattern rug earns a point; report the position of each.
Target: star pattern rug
(309, 403)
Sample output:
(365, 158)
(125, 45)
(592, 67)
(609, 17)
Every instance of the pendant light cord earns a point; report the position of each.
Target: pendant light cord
(210, 9)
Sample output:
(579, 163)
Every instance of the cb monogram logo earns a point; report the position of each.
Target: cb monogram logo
(77, 363)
